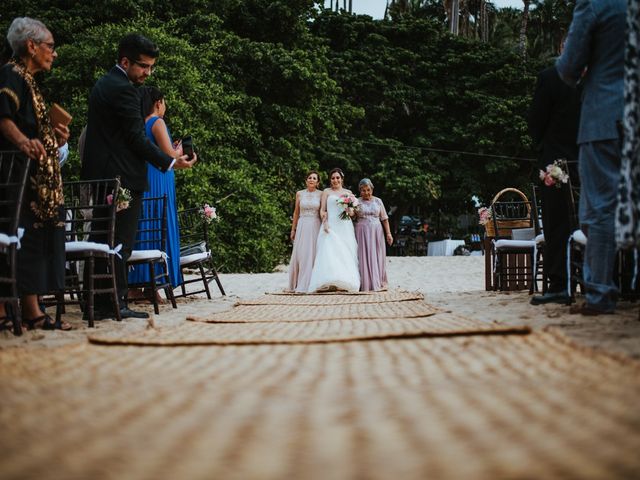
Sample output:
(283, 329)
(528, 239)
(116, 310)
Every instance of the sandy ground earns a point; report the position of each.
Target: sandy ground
(456, 283)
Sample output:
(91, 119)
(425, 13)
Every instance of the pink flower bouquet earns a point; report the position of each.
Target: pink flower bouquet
(349, 204)
(554, 175)
(208, 213)
(485, 215)
(123, 199)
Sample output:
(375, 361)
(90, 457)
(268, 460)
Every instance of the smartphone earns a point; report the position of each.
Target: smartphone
(187, 146)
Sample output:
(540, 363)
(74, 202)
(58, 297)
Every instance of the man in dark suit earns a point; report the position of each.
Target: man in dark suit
(116, 145)
(594, 54)
(553, 126)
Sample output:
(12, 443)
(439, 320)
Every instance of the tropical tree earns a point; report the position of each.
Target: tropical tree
(548, 23)
(522, 43)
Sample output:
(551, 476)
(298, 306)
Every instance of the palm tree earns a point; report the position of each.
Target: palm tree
(549, 20)
(522, 46)
(506, 27)
(452, 7)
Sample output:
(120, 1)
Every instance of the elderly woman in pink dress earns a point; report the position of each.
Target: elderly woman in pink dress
(304, 234)
(372, 256)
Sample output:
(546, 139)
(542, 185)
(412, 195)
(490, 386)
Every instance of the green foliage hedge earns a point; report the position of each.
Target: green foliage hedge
(270, 89)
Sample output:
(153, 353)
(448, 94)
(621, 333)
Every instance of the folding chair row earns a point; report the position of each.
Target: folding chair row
(90, 218)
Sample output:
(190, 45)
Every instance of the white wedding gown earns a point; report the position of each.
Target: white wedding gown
(336, 264)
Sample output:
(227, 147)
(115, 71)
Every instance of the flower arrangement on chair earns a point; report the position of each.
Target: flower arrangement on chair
(208, 213)
(123, 199)
(553, 175)
(485, 218)
(484, 215)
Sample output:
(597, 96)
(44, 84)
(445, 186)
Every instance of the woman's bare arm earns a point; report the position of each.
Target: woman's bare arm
(323, 210)
(387, 229)
(159, 130)
(296, 216)
(160, 134)
(32, 148)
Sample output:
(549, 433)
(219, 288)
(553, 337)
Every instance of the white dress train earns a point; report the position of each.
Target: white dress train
(336, 264)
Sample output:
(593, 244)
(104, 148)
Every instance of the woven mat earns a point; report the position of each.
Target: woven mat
(509, 407)
(332, 298)
(302, 313)
(196, 333)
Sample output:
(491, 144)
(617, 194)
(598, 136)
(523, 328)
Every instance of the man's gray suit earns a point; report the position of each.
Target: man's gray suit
(594, 55)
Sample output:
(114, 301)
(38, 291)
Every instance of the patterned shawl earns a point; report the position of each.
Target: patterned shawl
(47, 181)
(628, 211)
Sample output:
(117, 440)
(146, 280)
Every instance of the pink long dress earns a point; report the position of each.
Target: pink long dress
(304, 245)
(372, 251)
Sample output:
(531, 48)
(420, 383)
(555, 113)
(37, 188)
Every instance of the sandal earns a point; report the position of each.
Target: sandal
(45, 322)
(6, 323)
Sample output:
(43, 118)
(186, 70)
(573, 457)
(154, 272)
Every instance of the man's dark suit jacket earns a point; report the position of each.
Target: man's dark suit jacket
(554, 118)
(116, 143)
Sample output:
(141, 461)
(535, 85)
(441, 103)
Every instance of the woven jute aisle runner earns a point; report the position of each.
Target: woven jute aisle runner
(488, 407)
(302, 313)
(333, 298)
(323, 318)
(492, 406)
(289, 332)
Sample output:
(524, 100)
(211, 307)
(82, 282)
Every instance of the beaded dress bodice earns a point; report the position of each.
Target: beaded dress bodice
(370, 211)
(309, 203)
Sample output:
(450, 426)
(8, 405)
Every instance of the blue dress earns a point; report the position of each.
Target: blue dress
(161, 184)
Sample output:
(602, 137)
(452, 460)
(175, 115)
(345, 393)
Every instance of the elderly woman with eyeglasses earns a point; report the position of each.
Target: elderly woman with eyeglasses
(25, 126)
(372, 254)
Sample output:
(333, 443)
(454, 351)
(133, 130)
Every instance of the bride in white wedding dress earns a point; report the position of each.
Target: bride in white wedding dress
(336, 264)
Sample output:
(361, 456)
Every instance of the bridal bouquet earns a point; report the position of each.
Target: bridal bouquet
(349, 204)
(123, 199)
(554, 175)
(208, 213)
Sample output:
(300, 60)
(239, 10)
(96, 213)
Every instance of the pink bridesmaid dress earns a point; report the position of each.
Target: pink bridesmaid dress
(304, 245)
(372, 251)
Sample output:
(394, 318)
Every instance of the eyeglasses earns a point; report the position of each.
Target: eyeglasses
(145, 66)
(50, 45)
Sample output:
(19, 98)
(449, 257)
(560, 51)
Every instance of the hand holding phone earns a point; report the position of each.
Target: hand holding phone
(187, 146)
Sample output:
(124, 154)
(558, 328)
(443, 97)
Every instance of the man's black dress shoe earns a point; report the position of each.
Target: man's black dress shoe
(126, 312)
(549, 297)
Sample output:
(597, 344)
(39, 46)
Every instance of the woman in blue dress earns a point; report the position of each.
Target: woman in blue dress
(154, 108)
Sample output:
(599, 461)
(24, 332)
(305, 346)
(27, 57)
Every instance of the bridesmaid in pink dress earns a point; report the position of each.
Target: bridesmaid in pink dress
(304, 234)
(372, 254)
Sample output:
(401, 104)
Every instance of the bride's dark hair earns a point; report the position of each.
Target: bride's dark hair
(336, 170)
